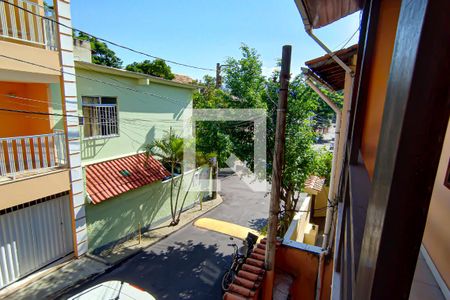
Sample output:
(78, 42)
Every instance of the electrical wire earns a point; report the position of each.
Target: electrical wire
(107, 41)
(174, 101)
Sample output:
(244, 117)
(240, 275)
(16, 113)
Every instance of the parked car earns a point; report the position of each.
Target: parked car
(114, 289)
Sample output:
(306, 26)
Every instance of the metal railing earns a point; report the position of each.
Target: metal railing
(23, 154)
(19, 24)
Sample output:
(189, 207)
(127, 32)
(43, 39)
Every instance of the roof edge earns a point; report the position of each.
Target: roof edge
(124, 73)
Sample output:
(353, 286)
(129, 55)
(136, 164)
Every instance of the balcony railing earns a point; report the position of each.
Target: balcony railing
(32, 154)
(26, 23)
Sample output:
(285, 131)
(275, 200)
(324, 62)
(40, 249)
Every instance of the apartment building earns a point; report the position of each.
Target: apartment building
(42, 215)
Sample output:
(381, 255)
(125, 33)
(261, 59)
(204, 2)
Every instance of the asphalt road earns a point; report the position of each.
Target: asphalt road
(189, 263)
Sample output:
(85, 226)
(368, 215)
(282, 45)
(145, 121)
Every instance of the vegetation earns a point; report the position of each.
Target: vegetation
(157, 67)
(101, 54)
(244, 86)
(170, 150)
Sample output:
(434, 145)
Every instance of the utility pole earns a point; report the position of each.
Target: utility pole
(218, 78)
(280, 138)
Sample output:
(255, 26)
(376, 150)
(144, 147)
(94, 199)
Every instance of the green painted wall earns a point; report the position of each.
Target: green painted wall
(120, 216)
(142, 117)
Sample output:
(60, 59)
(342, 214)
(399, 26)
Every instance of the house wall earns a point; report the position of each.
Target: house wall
(379, 74)
(436, 238)
(18, 124)
(142, 117)
(120, 216)
(20, 71)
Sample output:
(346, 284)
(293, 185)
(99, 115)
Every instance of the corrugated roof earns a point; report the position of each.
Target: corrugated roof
(320, 13)
(329, 71)
(113, 177)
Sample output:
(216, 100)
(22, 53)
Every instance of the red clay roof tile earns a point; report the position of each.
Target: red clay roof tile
(106, 179)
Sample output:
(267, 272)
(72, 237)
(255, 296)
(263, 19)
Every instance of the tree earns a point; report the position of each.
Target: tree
(157, 67)
(101, 54)
(170, 150)
(324, 115)
(323, 161)
(246, 87)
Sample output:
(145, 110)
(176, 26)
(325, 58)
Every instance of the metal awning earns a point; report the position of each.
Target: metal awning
(319, 13)
(329, 71)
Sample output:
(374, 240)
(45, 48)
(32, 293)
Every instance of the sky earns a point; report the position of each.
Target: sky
(204, 32)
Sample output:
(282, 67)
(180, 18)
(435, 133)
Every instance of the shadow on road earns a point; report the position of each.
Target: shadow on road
(258, 224)
(183, 271)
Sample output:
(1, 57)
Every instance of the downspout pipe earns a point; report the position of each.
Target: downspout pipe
(309, 30)
(331, 192)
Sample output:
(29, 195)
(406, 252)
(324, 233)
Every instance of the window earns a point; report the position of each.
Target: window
(100, 117)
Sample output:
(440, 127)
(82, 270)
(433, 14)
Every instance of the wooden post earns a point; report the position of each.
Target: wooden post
(280, 137)
(218, 78)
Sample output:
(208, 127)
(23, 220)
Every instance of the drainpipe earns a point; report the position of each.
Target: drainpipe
(331, 191)
(320, 274)
(309, 31)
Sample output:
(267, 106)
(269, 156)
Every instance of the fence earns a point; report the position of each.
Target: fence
(18, 23)
(34, 152)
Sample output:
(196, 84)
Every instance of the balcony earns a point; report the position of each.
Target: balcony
(25, 156)
(25, 24)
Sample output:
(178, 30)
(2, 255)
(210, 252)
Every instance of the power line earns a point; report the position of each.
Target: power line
(107, 41)
(36, 112)
(174, 101)
(29, 99)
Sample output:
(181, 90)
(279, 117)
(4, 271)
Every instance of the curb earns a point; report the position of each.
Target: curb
(110, 267)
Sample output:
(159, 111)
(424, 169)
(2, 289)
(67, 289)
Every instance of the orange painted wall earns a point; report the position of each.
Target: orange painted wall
(379, 75)
(436, 238)
(303, 266)
(17, 124)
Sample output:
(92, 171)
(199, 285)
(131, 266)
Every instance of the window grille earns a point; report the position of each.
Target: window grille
(100, 117)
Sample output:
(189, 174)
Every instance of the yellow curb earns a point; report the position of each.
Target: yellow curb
(234, 230)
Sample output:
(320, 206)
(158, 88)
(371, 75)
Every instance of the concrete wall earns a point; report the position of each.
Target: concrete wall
(120, 216)
(14, 70)
(379, 74)
(436, 238)
(142, 116)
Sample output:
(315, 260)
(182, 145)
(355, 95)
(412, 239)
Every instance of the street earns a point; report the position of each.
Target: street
(189, 263)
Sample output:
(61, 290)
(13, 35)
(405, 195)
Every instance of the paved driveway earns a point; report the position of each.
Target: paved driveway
(189, 264)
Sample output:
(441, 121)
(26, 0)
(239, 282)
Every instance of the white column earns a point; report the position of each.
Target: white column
(69, 94)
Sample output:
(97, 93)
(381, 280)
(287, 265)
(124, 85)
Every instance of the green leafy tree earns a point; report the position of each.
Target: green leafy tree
(323, 114)
(157, 67)
(244, 86)
(101, 54)
(323, 161)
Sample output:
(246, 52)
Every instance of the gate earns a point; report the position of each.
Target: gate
(32, 236)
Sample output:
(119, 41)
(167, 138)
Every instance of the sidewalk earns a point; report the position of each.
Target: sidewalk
(61, 278)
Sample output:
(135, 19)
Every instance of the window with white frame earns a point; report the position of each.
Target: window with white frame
(100, 117)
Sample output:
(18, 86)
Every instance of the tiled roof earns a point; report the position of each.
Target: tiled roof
(111, 178)
(183, 79)
(248, 282)
(314, 183)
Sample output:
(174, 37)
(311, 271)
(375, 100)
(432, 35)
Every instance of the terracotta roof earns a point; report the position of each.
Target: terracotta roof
(183, 79)
(314, 184)
(111, 178)
(329, 71)
(247, 283)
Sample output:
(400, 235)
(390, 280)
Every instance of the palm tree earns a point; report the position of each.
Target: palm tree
(170, 150)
